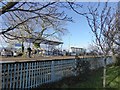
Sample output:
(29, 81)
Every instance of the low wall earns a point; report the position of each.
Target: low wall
(31, 74)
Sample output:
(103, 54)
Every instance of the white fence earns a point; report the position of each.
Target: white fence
(34, 73)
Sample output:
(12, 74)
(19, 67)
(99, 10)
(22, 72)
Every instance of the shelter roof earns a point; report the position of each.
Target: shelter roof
(44, 41)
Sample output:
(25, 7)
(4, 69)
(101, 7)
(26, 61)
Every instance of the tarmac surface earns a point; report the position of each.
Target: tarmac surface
(39, 58)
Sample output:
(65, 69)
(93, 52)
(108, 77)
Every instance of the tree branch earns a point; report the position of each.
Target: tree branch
(6, 8)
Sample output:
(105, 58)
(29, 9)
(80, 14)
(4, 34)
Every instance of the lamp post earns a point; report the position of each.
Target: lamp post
(69, 42)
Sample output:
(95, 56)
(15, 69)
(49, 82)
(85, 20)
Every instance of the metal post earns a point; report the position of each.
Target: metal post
(61, 48)
(17, 75)
(1, 75)
(20, 75)
(6, 77)
(14, 81)
(75, 67)
(32, 76)
(26, 86)
(29, 75)
(11, 76)
(23, 74)
(52, 71)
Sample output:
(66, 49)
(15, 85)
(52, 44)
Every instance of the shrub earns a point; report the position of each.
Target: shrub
(117, 63)
(83, 69)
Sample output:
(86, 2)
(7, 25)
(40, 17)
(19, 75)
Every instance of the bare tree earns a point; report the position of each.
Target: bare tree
(25, 12)
(101, 21)
(94, 50)
(35, 20)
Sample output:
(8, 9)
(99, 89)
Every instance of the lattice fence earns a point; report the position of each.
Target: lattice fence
(34, 73)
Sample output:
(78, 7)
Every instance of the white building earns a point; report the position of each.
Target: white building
(77, 51)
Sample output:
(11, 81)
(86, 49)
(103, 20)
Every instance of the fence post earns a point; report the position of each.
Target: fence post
(52, 72)
(1, 76)
(75, 67)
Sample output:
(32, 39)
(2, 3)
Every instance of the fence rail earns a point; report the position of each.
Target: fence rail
(34, 73)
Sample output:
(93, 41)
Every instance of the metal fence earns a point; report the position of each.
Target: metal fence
(34, 73)
(99, 62)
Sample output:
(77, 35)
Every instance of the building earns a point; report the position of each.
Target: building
(77, 51)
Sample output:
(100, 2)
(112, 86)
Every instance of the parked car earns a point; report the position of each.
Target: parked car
(6, 52)
(15, 54)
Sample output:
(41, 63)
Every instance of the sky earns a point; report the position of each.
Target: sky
(79, 33)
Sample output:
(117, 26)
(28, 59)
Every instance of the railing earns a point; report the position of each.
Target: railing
(34, 73)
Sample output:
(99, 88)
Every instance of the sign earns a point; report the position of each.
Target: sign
(18, 45)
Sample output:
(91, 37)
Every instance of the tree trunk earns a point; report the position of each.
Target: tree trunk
(104, 73)
(22, 47)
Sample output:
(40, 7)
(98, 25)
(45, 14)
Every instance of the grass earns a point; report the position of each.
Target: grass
(94, 80)
(113, 77)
